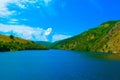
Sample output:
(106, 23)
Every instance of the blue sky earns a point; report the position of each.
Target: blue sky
(51, 20)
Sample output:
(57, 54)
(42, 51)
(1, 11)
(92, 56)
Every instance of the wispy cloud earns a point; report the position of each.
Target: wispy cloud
(13, 17)
(58, 37)
(13, 21)
(47, 1)
(23, 4)
(3, 8)
(26, 32)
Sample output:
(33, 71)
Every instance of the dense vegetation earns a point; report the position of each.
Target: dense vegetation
(104, 38)
(11, 43)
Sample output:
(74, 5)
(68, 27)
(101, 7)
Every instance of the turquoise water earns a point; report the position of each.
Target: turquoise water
(56, 65)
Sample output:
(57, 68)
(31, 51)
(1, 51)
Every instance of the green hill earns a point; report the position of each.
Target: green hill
(44, 43)
(104, 38)
(11, 43)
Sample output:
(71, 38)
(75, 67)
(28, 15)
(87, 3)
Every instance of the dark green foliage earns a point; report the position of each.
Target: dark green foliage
(11, 37)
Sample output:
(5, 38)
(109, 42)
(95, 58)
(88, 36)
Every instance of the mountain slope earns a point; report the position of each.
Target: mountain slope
(104, 38)
(44, 43)
(11, 43)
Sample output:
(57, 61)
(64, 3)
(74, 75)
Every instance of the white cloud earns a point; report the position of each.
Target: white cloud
(48, 31)
(47, 1)
(58, 37)
(13, 21)
(3, 8)
(23, 4)
(26, 32)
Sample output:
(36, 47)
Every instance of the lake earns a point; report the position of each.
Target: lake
(57, 65)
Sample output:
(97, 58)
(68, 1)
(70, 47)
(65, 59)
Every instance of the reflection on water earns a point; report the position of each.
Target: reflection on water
(110, 56)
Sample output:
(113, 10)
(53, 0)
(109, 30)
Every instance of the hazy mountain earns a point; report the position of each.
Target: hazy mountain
(44, 43)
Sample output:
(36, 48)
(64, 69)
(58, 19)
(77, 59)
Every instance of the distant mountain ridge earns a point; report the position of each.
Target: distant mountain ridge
(11, 43)
(44, 43)
(104, 38)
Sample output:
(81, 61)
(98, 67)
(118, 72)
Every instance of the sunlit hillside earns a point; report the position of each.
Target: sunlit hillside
(104, 38)
(11, 43)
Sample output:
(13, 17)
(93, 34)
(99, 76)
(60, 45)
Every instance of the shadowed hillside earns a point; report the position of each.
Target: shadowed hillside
(104, 38)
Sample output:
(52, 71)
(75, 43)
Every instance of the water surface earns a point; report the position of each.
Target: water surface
(56, 65)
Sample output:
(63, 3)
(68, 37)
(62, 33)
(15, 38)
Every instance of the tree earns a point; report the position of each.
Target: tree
(11, 37)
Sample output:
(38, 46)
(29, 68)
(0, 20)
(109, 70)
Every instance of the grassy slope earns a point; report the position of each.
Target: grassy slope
(100, 39)
(12, 44)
